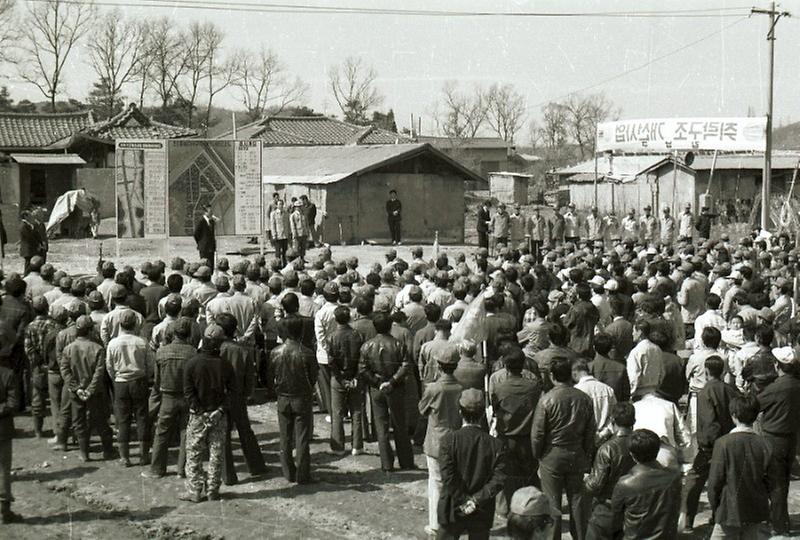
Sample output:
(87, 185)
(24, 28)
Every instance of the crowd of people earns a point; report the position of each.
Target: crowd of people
(629, 373)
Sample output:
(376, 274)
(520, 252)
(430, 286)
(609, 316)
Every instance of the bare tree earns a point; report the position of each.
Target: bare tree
(168, 59)
(582, 114)
(353, 86)
(551, 132)
(203, 41)
(462, 115)
(115, 48)
(9, 34)
(505, 110)
(263, 82)
(222, 75)
(144, 64)
(50, 31)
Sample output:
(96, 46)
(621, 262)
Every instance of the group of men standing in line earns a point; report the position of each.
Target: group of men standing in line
(516, 230)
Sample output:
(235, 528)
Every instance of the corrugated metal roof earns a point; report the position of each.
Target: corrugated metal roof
(745, 162)
(622, 165)
(48, 159)
(329, 164)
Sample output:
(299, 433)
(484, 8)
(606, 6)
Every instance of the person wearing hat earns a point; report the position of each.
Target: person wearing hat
(346, 390)
(385, 365)
(35, 342)
(648, 226)
(704, 222)
(84, 372)
(394, 216)
(279, 227)
(536, 233)
(667, 227)
(439, 403)
(530, 515)
(472, 465)
(324, 327)
(612, 228)
(208, 384)
(16, 313)
(107, 271)
(388, 288)
(516, 228)
(219, 304)
(298, 229)
(109, 329)
(739, 477)
(779, 404)
(441, 295)
(594, 226)
(129, 362)
(31, 241)
(500, 226)
(205, 291)
(630, 227)
(572, 226)
(686, 224)
(513, 395)
(205, 234)
(172, 311)
(9, 404)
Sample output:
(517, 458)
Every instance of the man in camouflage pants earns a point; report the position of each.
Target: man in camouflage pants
(208, 385)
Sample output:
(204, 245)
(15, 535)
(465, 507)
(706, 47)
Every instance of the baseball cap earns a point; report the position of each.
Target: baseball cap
(214, 334)
(203, 272)
(767, 314)
(529, 501)
(784, 355)
(471, 400)
(118, 292)
(95, 298)
(330, 288)
(127, 318)
(84, 322)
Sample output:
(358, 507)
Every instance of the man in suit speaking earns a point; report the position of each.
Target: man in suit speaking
(204, 234)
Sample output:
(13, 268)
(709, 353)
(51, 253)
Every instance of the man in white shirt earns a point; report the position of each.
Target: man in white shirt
(663, 418)
(644, 364)
(602, 395)
(686, 224)
(630, 227)
(712, 318)
(324, 327)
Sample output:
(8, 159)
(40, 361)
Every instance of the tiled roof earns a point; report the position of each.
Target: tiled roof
(36, 130)
(134, 124)
(314, 131)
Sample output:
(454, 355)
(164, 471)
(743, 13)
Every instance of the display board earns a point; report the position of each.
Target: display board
(683, 134)
(163, 186)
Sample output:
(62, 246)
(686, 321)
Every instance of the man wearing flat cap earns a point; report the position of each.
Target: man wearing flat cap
(780, 408)
(472, 465)
(648, 226)
(298, 227)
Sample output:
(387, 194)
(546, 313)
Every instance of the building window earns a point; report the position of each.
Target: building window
(38, 189)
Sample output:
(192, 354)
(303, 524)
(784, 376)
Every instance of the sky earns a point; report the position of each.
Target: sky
(544, 58)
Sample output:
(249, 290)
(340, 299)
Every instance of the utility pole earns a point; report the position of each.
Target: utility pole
(774, 16)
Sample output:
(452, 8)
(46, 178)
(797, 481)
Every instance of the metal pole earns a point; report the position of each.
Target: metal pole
(674, 179)
(595, 178)
(767, 176)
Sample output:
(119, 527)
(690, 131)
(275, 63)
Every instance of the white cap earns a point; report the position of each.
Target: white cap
(597, 281)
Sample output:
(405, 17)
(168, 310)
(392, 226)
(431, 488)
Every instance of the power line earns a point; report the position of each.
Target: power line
(642, 66)
(249, 7)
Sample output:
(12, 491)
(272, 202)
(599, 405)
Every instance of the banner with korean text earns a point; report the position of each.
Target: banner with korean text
(141, 187)
(682, 134)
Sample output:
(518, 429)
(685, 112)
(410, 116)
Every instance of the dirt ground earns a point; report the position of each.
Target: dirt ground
(60, 497)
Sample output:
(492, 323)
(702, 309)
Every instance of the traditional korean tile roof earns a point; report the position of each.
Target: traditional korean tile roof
(132, 123)
(314, 131)
(36, 130)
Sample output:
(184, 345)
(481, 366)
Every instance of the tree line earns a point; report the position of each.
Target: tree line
(177, 73)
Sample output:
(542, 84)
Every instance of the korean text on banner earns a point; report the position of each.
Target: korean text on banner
(141, 188)
(247, 180)
(681, 134)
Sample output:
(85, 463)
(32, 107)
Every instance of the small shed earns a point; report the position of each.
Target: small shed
(509, 187)
(350, 186)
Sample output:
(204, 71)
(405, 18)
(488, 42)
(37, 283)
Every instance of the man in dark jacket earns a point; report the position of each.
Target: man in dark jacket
(205, 234)
(482, 226)
(713, 421)
(645, 502)
(780, 405)
(30, 244)
(208, 385)
(244, 374)
(580, 320)
(562, 437)
(394, 215)
(384, 366)
(346, 391)
(8, 407)
(612, 462)
(610, 372)
(620, 330)
(513, 401)
(173, 414)
(295, 372)
(704, 221)
(739, 479)
(472, 465)
(84, 372)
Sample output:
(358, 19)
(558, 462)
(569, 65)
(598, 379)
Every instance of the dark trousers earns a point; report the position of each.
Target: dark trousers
(130, 399)
(394, 229)
(89, 417)
(300, 245)
(601, 522)
(281, 245)
(207, 255)
(536, 250)
(520, 468)
(783, 451)
(5, 470)
(483, 239)
(237, 417)
(60, 407)
(695, 481)
(454, 531)
(26, 269)
(342, 400)
(173, 415)
(555, 483)
(390, 412)
(296, 425)
(324, 386)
